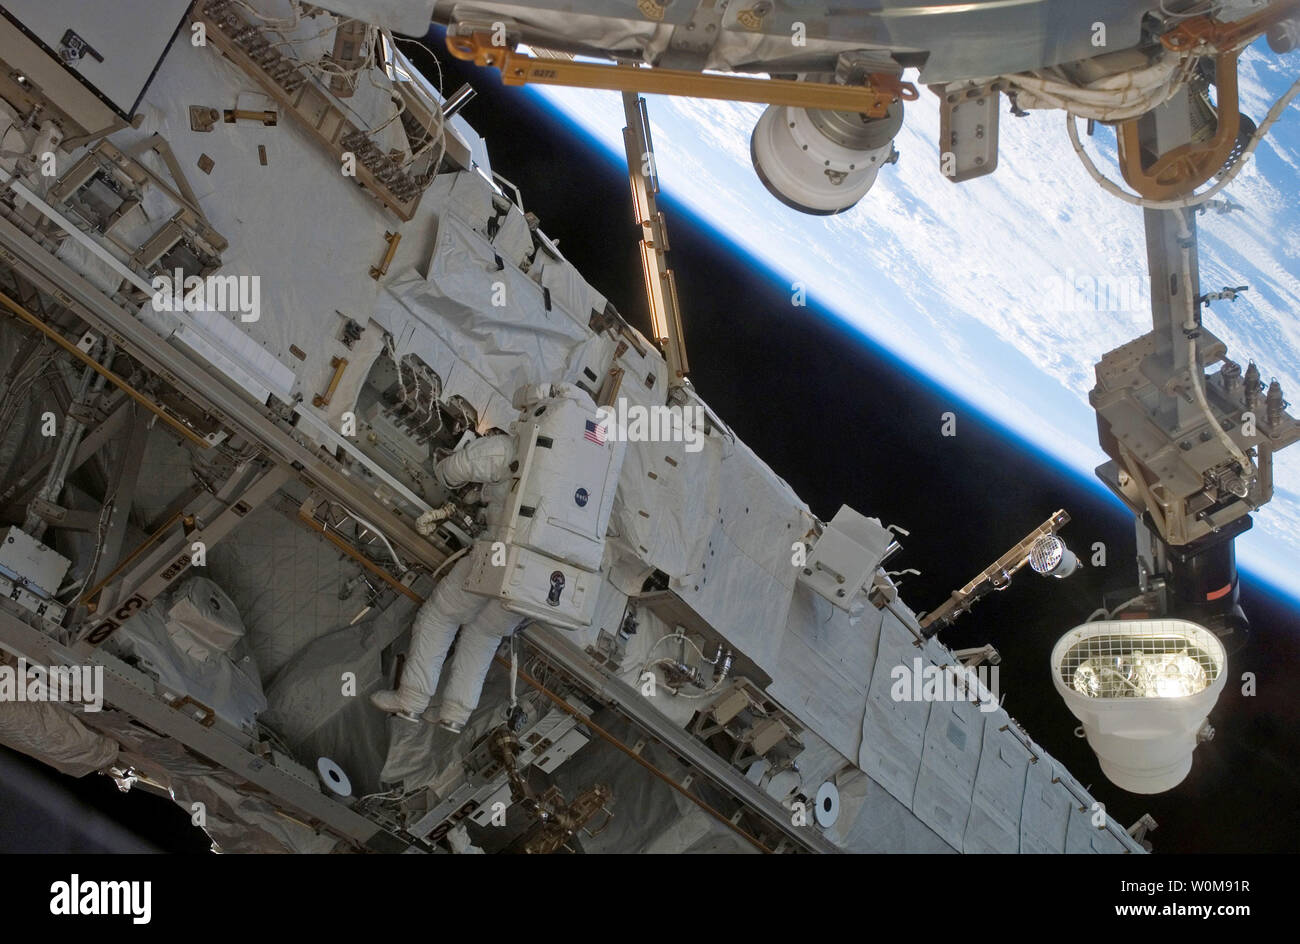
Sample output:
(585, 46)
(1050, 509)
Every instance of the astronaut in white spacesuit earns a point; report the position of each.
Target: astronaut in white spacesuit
(482, 621)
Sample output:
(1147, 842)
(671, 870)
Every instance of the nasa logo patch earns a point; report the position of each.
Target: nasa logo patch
(581, 496)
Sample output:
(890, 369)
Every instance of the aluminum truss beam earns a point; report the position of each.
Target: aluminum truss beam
(254, 421)
(23, 490)
(261, 425)
(208, 520)
(121, 692)
(626, 700)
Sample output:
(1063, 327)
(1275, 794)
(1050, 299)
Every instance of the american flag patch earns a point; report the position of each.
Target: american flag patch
(595, 433)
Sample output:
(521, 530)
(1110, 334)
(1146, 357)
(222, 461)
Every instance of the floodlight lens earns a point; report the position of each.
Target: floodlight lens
(1141, 674)
(1046, 553)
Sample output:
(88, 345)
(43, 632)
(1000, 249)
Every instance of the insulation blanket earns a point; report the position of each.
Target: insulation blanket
(237, 822)
(484, 337)
(667, 503)
(54, 735)
(321, 710)
(232, 690)
(203, 620)
(411, 17)
(746, 584)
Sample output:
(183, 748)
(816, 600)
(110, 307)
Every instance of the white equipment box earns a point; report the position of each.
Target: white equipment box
(31, 564)
(533, 584)
(845, 556)
(568, 477)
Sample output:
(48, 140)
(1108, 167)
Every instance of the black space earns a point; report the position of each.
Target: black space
(44, 811)
(844, 424)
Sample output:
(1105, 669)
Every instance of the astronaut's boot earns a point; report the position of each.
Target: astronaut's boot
(396, 702)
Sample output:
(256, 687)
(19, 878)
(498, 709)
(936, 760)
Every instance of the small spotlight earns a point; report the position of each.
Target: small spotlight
(1050, 557)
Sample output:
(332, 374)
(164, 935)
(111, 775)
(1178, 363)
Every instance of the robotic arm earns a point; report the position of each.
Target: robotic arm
(1191, 452)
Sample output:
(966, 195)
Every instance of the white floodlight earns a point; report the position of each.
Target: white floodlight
(1050, 557)
(1143, 690)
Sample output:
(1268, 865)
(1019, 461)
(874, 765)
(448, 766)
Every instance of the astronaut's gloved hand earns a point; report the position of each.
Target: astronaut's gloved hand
(427, 523)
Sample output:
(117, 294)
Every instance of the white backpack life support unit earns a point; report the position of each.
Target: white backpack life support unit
(543, 558)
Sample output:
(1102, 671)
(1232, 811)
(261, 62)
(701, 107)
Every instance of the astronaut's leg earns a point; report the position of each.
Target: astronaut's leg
(431, 636)
(479, 640)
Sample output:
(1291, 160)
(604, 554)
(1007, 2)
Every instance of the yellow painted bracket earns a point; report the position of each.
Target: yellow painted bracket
(322, 400)
(119, 382)
(1179, 172)
(381, 270)
(872, 99)
(1219, 36)
(243, 114)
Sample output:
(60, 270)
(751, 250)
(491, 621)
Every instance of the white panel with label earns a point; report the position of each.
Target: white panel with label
(113, 47)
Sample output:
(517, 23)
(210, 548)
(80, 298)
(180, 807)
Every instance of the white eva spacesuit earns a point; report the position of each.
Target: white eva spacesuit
(481, 620)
